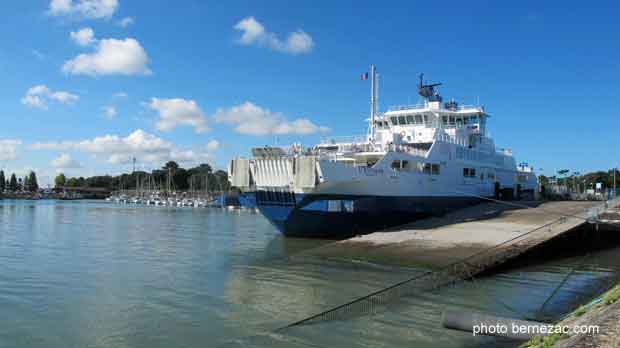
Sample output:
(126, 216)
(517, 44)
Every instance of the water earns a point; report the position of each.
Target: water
(94, 274)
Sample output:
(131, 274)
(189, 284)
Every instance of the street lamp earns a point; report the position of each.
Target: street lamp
(615, 192)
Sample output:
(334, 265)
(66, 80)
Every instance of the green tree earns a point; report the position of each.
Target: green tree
(26, 183)
(2, 181)
(221, 180)
(13, 183)
(73, 182)
(60, 180)
(172, 165)
(33, 185)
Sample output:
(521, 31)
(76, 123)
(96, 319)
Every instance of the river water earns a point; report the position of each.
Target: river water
(95, 274)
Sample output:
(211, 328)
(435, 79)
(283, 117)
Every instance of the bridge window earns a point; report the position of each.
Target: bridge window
(394, 120)
(451, 121)
(400, 164)
(427, 120)
(418, 119)
(402, 120)
(427, 168)
(444, 120)
(469, 172)
(435, 169)
(410, 119)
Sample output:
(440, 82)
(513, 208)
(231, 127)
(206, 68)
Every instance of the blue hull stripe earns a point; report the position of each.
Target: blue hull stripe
(340, 216)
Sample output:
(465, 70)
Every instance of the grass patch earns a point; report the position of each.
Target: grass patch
(612, 296)
(580, 311)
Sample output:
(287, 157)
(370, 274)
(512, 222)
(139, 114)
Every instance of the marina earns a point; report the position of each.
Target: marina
(230, 277)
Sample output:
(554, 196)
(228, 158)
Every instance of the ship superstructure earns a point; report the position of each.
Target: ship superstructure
(414, 161)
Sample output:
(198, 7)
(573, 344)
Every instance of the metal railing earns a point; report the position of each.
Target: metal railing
(424, 106)
(347, 139)
(407, 107)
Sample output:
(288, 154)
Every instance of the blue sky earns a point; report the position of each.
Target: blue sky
(203, 81)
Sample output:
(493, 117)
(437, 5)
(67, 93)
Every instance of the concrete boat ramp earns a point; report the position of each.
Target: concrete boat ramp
(457, 246)
(489, 229)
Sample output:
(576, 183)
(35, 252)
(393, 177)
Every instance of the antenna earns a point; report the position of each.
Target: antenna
(428, 91)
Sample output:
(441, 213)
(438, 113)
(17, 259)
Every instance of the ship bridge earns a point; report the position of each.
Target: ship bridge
(421, 123)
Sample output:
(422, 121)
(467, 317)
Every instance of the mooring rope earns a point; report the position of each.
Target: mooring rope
(561, 284)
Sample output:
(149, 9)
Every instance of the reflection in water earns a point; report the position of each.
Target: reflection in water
(101, 275)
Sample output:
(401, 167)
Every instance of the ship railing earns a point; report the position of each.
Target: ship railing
(402, 148)
(424, 106)
(407, 107)
(349, 139)
(469, 107)
(450, 139)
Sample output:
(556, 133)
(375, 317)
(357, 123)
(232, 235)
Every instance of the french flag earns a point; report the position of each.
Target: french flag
(364, 76)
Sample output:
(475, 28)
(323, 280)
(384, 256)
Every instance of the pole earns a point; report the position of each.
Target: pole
(373, 102)
(615, 181)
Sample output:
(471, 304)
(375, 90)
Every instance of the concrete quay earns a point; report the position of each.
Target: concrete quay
(440, 241)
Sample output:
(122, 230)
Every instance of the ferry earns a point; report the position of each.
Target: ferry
(414, 161)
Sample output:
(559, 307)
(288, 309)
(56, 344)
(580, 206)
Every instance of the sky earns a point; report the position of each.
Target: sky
(88, 85)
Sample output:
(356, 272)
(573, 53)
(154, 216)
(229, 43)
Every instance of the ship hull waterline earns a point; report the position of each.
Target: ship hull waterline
(343, 216)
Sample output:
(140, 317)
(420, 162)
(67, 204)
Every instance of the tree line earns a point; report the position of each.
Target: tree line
(13, 184)
(170, 176)
(580, 181)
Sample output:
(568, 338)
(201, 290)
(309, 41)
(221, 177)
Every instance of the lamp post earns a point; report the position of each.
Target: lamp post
(575, 175)
(615, 182)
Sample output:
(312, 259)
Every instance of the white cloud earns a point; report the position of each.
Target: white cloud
(145, 147)
(125, 22)
(38, 97)
(213, 145)
(111, 57)
(65, 161)
(254, 33)
(254, 120)
(178, 112)
(8, 149)
(120, 95)
(109, 112)
(83, 37)
(84, 9)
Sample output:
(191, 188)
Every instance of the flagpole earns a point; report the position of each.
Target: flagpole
(373, 103)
